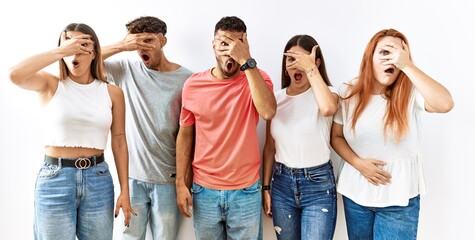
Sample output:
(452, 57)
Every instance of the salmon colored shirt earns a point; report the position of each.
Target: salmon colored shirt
(226, 145)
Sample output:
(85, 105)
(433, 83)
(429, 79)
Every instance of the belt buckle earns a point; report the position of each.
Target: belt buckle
(82, 163)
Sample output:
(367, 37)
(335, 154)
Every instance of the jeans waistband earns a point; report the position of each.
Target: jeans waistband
(304, 171)
(79, 163)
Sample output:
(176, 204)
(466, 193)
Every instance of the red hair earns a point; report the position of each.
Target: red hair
(397, 94)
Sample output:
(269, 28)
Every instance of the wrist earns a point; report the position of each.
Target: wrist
(265, 187)
(310, 70)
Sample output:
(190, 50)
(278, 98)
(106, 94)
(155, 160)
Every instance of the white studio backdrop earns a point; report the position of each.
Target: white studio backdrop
(441, 35)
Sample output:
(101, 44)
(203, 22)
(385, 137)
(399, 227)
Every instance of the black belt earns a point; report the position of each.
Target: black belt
(79, 163)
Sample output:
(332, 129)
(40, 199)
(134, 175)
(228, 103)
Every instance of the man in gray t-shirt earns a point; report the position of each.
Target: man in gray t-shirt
(152, 87)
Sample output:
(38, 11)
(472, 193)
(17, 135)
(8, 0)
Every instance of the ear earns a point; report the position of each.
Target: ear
(318, 62)
(163, 41)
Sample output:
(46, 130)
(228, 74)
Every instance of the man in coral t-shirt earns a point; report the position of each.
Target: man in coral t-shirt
(218, 137)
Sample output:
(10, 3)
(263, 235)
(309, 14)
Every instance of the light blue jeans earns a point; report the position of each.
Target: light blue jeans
(227, 214)
(155, 204)
(382, 223)
(304, 202)
(70, 202)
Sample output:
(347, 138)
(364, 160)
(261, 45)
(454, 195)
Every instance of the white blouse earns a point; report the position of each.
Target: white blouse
(403, 160)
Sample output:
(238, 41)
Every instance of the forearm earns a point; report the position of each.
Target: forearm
(437, 97)
(341, 147)
(184, 154)
(262, 95)
(27, 68)
(110, 50)
(327, 101)
(268, 158)
(121, 158)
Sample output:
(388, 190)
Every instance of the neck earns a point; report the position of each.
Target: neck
(166, 66)
(86, 79)
(292, 91)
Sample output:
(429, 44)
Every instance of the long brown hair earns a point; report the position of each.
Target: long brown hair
(397, 94)
(306, 42)
(97, 70)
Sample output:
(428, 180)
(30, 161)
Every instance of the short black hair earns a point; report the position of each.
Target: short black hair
(230, 23)
(147, 24)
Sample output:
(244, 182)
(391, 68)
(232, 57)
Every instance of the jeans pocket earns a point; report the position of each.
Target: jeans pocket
(253, 189)
(102, 169)
(195, 188)
(320, 176)
(48, 171)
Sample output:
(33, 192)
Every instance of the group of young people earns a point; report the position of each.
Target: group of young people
(192, 140)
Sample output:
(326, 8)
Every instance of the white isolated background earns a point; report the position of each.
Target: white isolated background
(441, 35)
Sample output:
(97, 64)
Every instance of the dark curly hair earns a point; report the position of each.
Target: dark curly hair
(147, 24)
(232, 24)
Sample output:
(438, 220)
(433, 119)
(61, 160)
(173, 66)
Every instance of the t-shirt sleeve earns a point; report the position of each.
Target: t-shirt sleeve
(114, 69)
(187, 118)
(419, 100)
(338, 117)
(267, 79)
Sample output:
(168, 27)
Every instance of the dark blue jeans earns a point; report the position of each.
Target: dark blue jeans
(382, 223)
(304, 202)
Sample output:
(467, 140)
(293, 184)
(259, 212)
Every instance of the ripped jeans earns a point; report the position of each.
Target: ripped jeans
(304, 202)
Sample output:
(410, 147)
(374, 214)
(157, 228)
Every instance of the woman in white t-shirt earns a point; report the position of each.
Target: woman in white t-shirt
(302, 201)
(377, 133)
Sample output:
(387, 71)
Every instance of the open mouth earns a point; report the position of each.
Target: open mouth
(75, 63)
(230, 64)
(145, 57)
(298, 76)
(389, 70)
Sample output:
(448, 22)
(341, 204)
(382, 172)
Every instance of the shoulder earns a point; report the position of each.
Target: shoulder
(200, 75)
(345, 87)
(115, 92)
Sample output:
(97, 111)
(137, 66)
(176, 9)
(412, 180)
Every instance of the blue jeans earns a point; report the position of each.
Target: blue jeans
(70, 202)
(379, 223)
(227, 214)
(155, 204)
(304, 202)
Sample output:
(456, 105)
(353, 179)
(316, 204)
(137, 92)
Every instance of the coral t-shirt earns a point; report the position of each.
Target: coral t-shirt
(226, 155)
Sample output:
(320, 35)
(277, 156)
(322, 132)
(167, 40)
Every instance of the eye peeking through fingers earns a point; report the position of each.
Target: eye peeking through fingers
(224, 44)
(384, 52)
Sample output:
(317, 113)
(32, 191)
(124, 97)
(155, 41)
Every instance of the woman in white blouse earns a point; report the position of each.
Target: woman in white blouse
(302, 201)
(377, 133)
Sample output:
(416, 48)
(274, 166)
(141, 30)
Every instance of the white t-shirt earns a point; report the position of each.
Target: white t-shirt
(301, 133)
(403, 158)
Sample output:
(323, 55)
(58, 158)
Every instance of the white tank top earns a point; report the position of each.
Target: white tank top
(78, 115)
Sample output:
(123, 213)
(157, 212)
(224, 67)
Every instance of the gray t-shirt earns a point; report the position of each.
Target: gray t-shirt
(153, 103)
